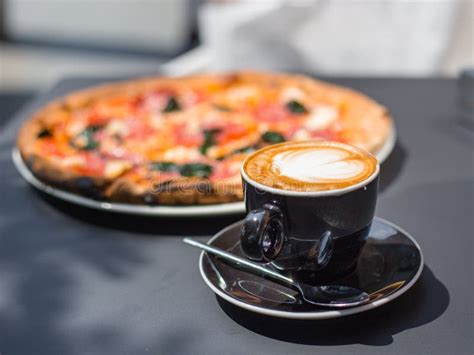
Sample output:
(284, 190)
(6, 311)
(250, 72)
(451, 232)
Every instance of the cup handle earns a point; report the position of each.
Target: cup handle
(263, 233)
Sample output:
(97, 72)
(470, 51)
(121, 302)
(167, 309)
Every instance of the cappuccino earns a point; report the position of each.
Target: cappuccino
(310, 166)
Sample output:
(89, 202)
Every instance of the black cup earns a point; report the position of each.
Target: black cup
(317, 235)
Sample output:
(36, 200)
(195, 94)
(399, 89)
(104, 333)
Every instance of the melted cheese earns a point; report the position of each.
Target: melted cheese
(114, 168)
(321, 117)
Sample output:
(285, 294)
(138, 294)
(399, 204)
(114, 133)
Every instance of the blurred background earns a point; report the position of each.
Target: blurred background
(45, 40)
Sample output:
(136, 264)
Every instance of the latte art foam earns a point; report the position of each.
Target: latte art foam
(310, 166)
(316, 165)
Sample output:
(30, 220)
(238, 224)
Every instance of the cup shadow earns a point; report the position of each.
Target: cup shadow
(375, 327)
(391, 168)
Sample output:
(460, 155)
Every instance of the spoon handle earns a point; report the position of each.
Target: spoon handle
(243, 263)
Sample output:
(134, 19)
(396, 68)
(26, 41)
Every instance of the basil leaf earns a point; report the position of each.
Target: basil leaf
(248, 149)
(85, 140)
(209, 140)
(44, 133)
(272, 137)
(163, 166)
(91, 143)
(296, 107)
(96, 127)
(172, 105)
(196, 170)
(188, 170)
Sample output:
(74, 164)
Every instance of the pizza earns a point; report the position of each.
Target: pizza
(182, 141)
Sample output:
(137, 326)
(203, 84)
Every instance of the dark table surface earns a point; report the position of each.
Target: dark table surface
(78, 281)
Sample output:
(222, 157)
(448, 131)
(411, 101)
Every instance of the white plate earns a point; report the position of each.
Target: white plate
(165, 211)
(385, 150)
(389, 248)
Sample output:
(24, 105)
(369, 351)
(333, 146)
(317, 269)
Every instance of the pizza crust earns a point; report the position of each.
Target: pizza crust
(366, 124)
(181, 191)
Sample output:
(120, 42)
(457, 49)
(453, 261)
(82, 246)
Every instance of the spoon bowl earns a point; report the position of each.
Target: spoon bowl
(335, 296)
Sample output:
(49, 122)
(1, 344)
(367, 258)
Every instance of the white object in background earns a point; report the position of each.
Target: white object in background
(213, 28)
(238, 36)
(161, 25)
(339, 37)
(194, 61)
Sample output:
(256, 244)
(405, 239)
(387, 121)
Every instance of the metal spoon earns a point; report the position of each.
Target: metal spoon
(333, 296)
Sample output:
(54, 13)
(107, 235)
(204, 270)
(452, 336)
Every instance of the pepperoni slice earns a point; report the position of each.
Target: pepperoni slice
(272, 113)
(226, 169)
(155, 100)
(221, 171)
(138, 129)
(94, 165)
(184, 137)
(327, 134)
